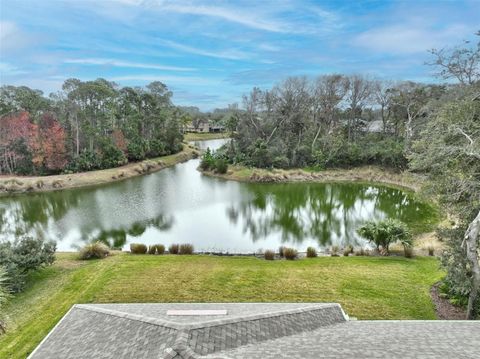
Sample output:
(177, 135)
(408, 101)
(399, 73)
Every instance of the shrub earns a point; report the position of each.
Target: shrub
(185, 249)
(24, 255)
(431, 251)
(311, 252)
(408, 251)
(137, 149)
(290, 253)
(112, 156)
(152, 249)
(208, 161)
(156, 148)
(362, 252)
(347, 250)
(386, 232)
(173, 249)
(269, 255)
(335, 251)
(221, 165)
(160, 248)
(86, 161)
(4, 295)
(94, 250)
(138, 248)
(280, 162)
(280, 251)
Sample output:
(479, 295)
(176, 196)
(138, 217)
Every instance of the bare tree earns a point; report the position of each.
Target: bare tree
(383, 93)
(358, 94)
(328, 92)
(412, 98)
(461, 63)
(252, 104)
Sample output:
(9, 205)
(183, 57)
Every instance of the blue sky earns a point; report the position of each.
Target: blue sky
(211, 52)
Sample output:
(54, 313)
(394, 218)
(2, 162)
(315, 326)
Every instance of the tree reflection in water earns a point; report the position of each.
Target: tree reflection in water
(328, 213)
(181, 205)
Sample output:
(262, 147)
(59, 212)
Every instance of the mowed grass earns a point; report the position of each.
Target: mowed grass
(366, 287)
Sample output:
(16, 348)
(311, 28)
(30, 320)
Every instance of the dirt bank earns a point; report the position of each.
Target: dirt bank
(200, 136)
(360, 174)
(21, 184)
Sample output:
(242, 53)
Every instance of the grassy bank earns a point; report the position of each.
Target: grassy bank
(371, 174)
(23, 184)
(198, 136)
(367, 287)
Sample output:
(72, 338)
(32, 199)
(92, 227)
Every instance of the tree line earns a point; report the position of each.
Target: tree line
(332, 121)
(88, 125)
(433, 129)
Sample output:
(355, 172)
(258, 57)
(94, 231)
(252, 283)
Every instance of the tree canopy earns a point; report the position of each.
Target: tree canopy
(88, 125)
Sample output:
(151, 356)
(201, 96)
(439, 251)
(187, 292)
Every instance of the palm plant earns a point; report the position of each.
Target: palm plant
(386, 232)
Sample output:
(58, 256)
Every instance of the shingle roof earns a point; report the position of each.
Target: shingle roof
(249, 330)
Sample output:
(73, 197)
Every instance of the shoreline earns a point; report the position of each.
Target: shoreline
(205, 136)
(365, 174)
(370, 174)
(11, 184)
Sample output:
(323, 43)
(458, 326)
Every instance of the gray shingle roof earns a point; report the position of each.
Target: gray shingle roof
(249, 330)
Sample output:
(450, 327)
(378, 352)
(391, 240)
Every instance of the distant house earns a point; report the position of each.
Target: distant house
(204, 126)
(375, 126)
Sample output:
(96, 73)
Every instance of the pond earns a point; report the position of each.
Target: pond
(180, 205)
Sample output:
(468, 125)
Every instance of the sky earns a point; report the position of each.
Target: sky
(209, 53)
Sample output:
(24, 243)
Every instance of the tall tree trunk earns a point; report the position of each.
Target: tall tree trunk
(77, 138)
(408, 133)
(316, 137)
(471, 243)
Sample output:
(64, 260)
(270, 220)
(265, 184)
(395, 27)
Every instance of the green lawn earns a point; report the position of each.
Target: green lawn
(366, 287)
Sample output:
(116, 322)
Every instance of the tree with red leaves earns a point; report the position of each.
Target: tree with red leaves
(17, 139)
(51, 154)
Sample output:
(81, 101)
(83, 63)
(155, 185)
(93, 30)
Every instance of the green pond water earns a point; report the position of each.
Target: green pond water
(180, 205)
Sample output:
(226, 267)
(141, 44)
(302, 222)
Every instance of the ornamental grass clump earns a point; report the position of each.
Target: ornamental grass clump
(348, 250)
(138, 248)
(173, 248)
(311, 252)
(269, 255)
(335, 251)
(185, 249)
(152, 249)
(362, 252)
(160, 248)
(96, 250)
(431, 251)
(290, 253)
(408, 251)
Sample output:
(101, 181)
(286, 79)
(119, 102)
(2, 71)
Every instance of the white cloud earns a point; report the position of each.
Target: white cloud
(119, 63)
(266, 16)
(224, 54)
(167, 79)
(12, 38)
(7, 69)
(409, 38)
(233, 15)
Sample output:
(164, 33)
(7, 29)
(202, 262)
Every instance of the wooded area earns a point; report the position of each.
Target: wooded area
(433, 129)
(88, 125)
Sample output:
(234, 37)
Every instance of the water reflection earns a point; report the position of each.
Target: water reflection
(327, 213)
(180, 205)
